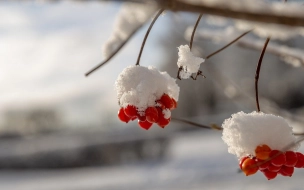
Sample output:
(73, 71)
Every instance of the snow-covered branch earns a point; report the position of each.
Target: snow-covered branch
(290, 14)
(293, 56)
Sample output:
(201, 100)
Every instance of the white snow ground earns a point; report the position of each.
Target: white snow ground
(196, 160)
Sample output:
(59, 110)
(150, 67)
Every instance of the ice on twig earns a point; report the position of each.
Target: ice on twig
(142, 86)
(244, 132)
(189, 63)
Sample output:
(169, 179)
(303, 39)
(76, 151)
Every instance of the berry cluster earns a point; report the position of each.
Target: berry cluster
(160, 113)
(272, 162)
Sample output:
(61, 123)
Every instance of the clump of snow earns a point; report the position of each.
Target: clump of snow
(167, 113)
(188, 62)
(130, 18)
(292, 61)
(142, 86)
(244, 132)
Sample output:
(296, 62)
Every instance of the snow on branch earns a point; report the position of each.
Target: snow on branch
(290, 14)
(293, 56)
(290, 55)
(130, 18)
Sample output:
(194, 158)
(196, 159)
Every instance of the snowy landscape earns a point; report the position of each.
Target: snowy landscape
(195, 160)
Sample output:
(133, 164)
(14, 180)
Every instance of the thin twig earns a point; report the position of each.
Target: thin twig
(147, 34)
(298, 134)
(194, 29)
(199, 73)
(232, 42)
(257, 74)
(178, 73)
(196, 124)
(112, 55)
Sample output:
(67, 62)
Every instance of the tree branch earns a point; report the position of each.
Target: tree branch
(273, 48)
(288, 15)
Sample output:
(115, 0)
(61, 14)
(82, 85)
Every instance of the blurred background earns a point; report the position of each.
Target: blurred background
(59, 130)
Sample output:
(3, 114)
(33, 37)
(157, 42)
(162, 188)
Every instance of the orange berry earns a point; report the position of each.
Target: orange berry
(262, 152)
(249, 166)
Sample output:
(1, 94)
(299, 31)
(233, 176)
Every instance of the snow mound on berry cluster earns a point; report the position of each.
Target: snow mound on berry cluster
(188, 62)
(244, 132)
(142, 86)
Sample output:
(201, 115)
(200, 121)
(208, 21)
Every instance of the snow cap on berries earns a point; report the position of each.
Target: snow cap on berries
(188, 62)
(142, 86)
(244, 132)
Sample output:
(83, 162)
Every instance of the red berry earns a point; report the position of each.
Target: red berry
(141, 117)
(131, 111)
(163, 122)
(122, 116)
(151, 114)
(277, 158)
(262, 152)
(160, 105)
(174, 103)
(291, 158)
(264, 165)
(269, 175)
(249, 166)
(300, 163)
(286, 171)
(273, 168)
(145, 124)
(167, 101)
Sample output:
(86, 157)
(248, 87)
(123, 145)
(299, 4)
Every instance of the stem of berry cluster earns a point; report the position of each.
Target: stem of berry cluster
(229, 44)
(190, 46)
(147, 34)
(257, 74)
(194, 29)
(110, 57)
(213, 126)
(214, 53)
